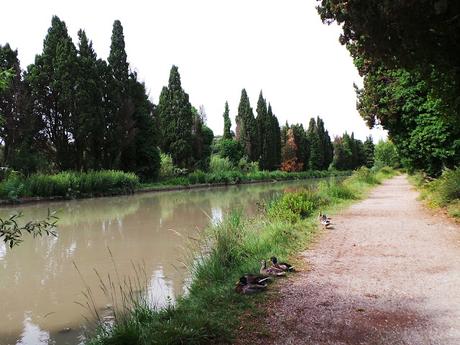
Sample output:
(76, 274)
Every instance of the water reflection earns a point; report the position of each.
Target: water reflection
(39, 284)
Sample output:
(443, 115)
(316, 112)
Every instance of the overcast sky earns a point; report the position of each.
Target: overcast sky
(220, 47)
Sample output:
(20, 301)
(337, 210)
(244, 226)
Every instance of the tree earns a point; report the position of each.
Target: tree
(408, 56)
(176, 120)
(275, 147)
(246, 128)
(369, 152)
(316, 159)
(52, 80)
(290, 160)
(264, 132)
(386, 154)
(227, 123)
(202, 139)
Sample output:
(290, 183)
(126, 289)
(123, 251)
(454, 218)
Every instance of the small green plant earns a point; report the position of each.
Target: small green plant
(12, 233)
(220, 165)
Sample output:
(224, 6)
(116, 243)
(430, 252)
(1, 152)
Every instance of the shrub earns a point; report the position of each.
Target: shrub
(219, 164)
(248, 167)
(167, 167)
(293, 207)
(231, 149)
(447, 187)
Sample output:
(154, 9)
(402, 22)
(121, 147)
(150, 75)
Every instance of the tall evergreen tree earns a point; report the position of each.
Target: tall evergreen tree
(369, 151)
(316, 159)
(264, 132)
(275, 152)
(88, 120)
(176, 120)
(227, 123)
(120, 125)
(19, 128)
(52, 79)
(246, 128)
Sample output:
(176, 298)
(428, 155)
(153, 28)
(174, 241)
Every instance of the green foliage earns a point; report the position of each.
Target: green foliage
(246, 128)
(176, 120)
(167, 167)
(248, 167)
(227, 124)
(369, 148)
(11, 233)
(349, 153)
(220, 164)
(385, 154)
(409, 59)
(231, 149)
(69, 184)
(292, 207)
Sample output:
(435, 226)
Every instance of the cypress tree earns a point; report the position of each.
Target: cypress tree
(227, 123)
(52, 79)
(326, 148)
(88, 121)
(264, 132)
(369, 151)
(246, 128)
(20, 129)
(275, 152)
(316, 159)
(176, 120)
(120, 129)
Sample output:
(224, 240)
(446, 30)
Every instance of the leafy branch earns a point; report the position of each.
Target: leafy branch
(11, 233)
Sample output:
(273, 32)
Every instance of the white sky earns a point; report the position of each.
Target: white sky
(220, 46)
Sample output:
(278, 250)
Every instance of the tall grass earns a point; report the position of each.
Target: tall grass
(210, 312)
(69, 184)
(441, 192)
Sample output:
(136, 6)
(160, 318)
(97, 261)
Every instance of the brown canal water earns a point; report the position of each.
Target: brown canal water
(41, 289)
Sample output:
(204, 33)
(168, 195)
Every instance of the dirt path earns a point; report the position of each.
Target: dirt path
(388, 273)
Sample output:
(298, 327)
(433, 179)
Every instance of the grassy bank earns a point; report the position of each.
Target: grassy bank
(68, 184)
(210, 312)
(72, 185)
(443, 192)
(236, 177)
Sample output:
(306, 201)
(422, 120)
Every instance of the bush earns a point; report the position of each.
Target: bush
(167, 167)
(219, 164)
(293, 207)
(231, 149)
(446, 188)
(69, 184)
(248, 167)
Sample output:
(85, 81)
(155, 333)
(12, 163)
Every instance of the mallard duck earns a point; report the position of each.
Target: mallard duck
(246, 288)
(257, 278)
(271, 271)
(324, 220)
(281, 265)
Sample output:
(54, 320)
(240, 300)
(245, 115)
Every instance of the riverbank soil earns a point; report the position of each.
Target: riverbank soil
(387, 272)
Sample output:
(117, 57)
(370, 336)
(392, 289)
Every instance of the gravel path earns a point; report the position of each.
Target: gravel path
(387, 273)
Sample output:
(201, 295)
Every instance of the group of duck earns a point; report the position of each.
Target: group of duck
(253, 283)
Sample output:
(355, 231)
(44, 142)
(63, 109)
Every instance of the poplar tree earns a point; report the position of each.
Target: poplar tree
(176, 120)
(246, 128)
(227, 123)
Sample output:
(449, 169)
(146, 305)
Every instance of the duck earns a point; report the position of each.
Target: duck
(271, 271)
(281, 265)
(257, 278)
(324, 220)
(245, 288)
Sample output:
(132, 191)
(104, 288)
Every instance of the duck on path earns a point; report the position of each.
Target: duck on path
(246, 288)
(281, 265)
(271, 271)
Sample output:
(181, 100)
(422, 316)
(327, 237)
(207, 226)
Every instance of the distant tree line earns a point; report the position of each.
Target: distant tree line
(71, 110)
